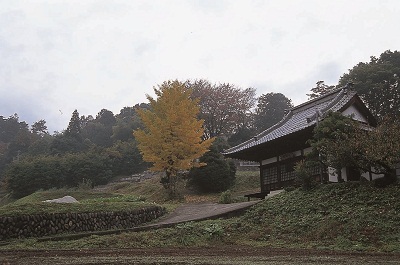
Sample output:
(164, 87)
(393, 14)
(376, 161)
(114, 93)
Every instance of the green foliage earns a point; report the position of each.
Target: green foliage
(98, 134)
(342, 142)
(303, 174)
(86, 184)
(74, 126)
(347, 216)
(184, 233)
(241, 135)
(377, 82)
(379, 148)
(15, 139)
(126, 158)
(218, 174)
(39, 128)
(320, 89)
(226, 197)
(214, 231)
(44, 172)
(89, 201)
(66, 143)
(271, 108)
(336, 215)
(333, 139)
(27, 176)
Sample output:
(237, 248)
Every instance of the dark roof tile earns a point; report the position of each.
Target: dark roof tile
(299, 118)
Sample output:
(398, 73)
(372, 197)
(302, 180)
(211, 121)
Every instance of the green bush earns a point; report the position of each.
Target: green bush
(226, 197)
(303, 174)
(214, 231)
(45, 172)
(218, 175)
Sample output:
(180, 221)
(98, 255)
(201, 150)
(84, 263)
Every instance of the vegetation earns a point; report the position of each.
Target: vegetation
(332, 140)
(352, 216)
(91, 149)
(271, 108)
(89, 201)
(377, 82)
(171, 138)
(217, 175)
(225, 108)
(320, 89)
(342, 142)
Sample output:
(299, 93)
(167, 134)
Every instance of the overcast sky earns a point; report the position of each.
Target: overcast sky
(61, 55)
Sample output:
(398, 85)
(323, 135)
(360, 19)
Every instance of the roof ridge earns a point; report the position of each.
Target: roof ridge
(322, 104)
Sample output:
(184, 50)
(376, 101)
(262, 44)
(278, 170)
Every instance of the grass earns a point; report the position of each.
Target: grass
(345, 216)
(89, 201)
(349, 216)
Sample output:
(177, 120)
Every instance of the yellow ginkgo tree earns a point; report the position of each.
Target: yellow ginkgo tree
(172, 136)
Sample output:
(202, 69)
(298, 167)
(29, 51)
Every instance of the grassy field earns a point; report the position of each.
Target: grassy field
(89, 201)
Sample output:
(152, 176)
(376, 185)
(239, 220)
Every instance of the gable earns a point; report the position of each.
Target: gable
(355, 114)
(294, 130)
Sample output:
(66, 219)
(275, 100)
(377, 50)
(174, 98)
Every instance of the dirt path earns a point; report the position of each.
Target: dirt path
(232, 255)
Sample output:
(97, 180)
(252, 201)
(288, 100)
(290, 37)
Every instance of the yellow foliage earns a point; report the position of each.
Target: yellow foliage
(172, 137)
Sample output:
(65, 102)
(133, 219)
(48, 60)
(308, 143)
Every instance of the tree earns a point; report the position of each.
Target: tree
(270, 110)
(343, 142)
(39, 128)
(97, 133)
(171, 138)
(379, 148)
(241, 135)
(127, 121)
(333, 142)
(106, 118)
(126, 158)
(74, 127)
(224, 107)
(15, 139)
(218, 175)
(320, 89)
(377, 82)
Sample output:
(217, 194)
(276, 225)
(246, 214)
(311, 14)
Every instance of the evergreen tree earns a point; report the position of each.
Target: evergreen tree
(74, 126)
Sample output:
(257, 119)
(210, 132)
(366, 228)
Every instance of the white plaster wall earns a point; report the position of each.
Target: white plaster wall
(307, 150)
(356, 114)
(365, 175)
(333, 176)
(297, 153)
(269, 161)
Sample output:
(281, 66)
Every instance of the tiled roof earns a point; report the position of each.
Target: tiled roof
(299, 118)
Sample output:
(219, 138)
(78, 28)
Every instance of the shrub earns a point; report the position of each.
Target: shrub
(218, 175)
(226, 197)
(303, 174)
(214, 231)
(44, 172)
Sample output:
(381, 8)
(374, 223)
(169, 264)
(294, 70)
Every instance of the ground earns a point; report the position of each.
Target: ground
(216, 255)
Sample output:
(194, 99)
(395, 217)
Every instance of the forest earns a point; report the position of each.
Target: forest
(94, 149)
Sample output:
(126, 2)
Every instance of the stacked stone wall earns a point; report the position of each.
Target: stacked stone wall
(39, 225)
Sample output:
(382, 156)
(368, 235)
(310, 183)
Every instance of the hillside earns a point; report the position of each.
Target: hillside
(346, 216)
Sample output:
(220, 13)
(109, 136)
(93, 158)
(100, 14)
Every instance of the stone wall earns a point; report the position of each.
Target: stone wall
(39, 225)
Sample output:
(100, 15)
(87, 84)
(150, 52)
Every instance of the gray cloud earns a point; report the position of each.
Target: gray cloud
(89, 55)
